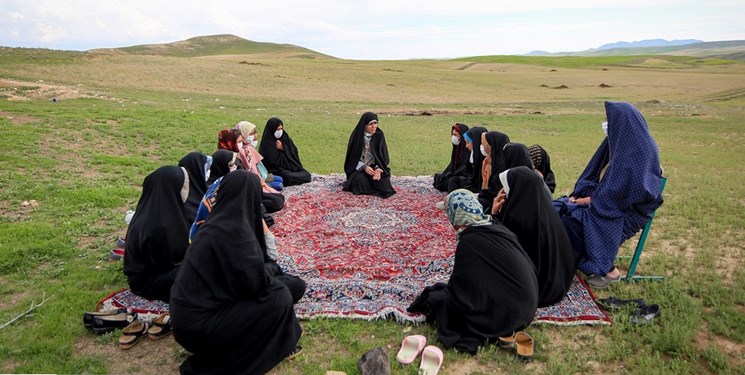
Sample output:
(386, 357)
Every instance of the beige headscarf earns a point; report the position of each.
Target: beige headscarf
(246, 128)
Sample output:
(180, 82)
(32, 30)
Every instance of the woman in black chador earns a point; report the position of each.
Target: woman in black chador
(527, 210)
(226, 308)
(446, 180)
(492, 290)
(280, 154)
(196, 165)
(366, 163)
(157, 236)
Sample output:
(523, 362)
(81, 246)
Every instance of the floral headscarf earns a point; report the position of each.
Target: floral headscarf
(464, 210)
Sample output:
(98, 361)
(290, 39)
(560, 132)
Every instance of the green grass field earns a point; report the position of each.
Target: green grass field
(80, 161)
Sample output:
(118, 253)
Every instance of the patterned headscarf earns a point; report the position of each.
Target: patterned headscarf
(464, 210)
(246, 128)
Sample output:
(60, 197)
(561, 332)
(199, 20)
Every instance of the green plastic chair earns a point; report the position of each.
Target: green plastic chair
(631, 274)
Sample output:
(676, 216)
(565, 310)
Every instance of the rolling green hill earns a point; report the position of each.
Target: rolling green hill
(212, 45)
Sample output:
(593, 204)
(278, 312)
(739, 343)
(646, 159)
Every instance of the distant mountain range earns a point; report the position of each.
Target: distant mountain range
(649, 43)
(226, 44)
(733, 49)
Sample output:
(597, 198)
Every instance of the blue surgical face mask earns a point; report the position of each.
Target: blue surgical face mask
(483, 150)
(455, 139)
(278, 134)
(604, 125)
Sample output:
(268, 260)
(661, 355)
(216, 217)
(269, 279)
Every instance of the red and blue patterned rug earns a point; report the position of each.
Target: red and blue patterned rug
(365, 257)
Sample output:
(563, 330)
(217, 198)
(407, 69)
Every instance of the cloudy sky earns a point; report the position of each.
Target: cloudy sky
(365, 29)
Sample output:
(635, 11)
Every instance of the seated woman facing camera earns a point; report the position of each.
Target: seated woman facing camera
(446, 181)
(366, 162)
(280, 154)
(615, 195)
(492, 291)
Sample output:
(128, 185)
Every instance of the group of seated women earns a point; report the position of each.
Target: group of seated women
(499, 202)
(514, 236)
(231, 304)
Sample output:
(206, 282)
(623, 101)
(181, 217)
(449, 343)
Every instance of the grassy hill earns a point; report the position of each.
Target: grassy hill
(211, 45)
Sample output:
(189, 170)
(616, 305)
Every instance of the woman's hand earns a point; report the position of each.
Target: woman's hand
(279, 146)
(485, 173)
(377, 174)
(584, 200)
(498, 202)
(369, 170)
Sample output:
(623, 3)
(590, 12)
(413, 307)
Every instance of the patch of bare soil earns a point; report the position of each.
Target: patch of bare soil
(727, 263)
(20, 91)
(18, 119)
(147, 357)
(13, 299)
(433, 112)
(734, 350)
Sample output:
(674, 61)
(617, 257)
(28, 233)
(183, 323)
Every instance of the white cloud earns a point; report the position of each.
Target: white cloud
(382, 29)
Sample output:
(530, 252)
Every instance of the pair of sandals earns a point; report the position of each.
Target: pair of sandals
(156, 329)
(644, 314)
(432, 356)
(521, 342)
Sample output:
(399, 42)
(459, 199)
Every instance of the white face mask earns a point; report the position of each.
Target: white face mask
(232, 167)
(240, 145)
(503, 180)
(253, 143)
(483, 150)
(455, 139)
(604, 125)
(278, 134)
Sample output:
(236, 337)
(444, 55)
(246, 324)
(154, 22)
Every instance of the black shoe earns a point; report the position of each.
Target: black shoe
(645, 314)
(88, 316)
(108, 323)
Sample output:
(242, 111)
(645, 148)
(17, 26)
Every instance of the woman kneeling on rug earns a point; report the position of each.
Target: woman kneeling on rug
(366, 162)
(493, 290)
(525, 207)
(157, 236)
(225, 308)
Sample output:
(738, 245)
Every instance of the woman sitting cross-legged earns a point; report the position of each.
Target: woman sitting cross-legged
(458, 166)
(157, 236)
(492, 291)
(233, 316)
(227, 159)
(366, 162)
(615, 195)
(280, 154)
(524, 205)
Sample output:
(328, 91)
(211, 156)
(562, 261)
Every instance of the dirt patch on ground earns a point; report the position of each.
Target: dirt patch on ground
(147, 357)
(19, 91)
(12, 299)
(16, 118)
(734, 350)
